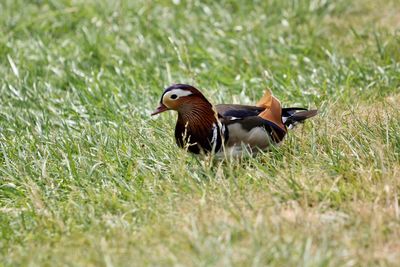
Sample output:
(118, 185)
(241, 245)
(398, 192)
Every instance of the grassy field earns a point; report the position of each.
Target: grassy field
(88, 178)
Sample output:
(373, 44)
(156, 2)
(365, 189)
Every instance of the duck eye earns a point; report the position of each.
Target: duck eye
(174, 96)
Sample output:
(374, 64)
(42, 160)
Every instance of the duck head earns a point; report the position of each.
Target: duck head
(183, 98)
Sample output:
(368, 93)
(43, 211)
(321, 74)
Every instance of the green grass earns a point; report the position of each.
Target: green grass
(88, 178)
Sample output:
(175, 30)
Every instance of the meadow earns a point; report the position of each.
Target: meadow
(88, 178)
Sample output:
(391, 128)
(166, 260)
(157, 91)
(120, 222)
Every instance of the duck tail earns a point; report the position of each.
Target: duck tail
(293, 116)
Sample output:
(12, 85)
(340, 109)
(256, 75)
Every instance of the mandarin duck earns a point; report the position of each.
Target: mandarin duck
(228, 128)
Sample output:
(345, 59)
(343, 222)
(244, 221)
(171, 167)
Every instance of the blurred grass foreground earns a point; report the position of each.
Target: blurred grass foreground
(87, 178)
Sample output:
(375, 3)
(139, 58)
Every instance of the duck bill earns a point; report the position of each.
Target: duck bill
(160, 108)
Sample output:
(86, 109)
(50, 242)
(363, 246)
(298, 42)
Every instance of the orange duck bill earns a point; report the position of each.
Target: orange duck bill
(161, 108)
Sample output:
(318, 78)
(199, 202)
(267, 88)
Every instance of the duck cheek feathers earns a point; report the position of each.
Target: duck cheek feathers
(172, 104)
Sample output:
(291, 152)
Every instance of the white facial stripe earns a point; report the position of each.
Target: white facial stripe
(178, 92)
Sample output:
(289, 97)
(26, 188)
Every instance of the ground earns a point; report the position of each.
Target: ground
(88, 178)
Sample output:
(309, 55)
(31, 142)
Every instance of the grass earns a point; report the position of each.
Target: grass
(87, 178)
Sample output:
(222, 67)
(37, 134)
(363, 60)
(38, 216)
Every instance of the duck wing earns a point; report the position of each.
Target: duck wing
(252, 129)
(238, 111)
(247, 119)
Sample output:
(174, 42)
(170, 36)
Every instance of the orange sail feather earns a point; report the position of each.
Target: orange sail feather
(273, 109)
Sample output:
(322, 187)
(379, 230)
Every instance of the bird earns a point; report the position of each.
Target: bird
(228, 129)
